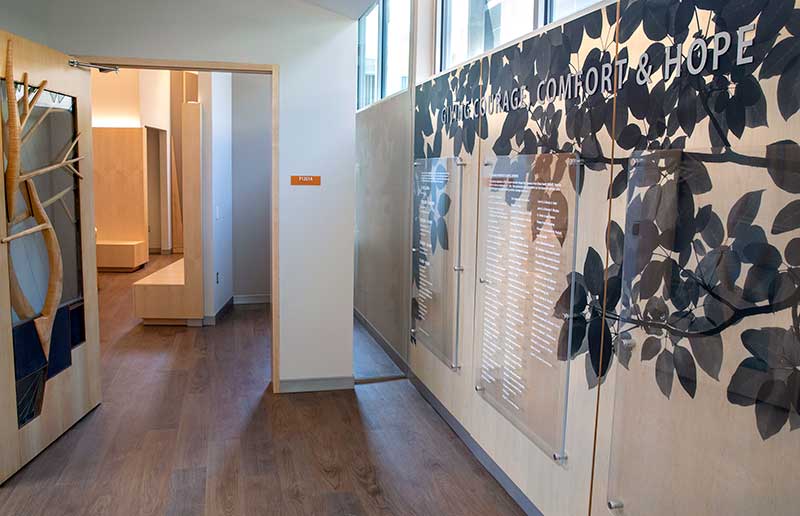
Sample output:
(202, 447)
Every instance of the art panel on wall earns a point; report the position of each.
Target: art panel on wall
(680, 302)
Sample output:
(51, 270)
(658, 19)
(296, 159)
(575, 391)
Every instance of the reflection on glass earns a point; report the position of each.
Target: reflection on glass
(526, 248)
(368, 57)
(437, 256)
(706, 406)
(471, 27)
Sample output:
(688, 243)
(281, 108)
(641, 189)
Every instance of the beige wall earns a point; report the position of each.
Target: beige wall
(383, 186)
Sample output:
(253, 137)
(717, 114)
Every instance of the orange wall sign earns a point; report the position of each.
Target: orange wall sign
(306, 180)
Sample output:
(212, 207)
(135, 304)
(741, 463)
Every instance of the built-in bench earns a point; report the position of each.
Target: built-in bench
(121, 255)
(161, 298)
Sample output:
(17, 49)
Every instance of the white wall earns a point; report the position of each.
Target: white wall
(214, 93)
(116, 100)
(252, 171)
(316, 52)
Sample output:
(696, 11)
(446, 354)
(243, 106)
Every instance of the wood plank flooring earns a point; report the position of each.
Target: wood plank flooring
(369, 359)
(187, 427)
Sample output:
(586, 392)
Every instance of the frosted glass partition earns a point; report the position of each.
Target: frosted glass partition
(526, 250)
(437, 256)
(706, 409)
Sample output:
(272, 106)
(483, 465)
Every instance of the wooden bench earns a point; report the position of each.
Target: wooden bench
(121, 255)
(160, 298)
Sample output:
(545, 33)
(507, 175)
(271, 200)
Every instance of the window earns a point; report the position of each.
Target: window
(558, 9)
(368, 57)
(383, 38)
(471, 27)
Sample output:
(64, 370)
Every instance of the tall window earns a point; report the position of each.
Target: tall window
(383, 38)
(471, 27)
(368, 57)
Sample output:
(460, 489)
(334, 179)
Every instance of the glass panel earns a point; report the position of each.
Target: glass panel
(368, 62)
(704, 411)
(526, 244)
(397, 17)
(562, 8)
(437, 256)
(471, 27)
(47, 139)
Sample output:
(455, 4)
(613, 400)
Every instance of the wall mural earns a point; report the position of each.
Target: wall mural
(705, 88)
(40, 173)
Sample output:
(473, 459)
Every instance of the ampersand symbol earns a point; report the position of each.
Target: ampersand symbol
(644, 70)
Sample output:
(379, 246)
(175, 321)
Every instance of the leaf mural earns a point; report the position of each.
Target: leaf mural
(690, 264)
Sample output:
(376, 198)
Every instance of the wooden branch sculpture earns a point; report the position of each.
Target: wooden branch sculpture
(21, 182)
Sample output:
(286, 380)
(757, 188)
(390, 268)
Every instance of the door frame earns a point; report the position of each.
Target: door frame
(232, 67)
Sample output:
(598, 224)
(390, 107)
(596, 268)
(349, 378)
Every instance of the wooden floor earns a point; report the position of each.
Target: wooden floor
(187, 427)
(370, 361)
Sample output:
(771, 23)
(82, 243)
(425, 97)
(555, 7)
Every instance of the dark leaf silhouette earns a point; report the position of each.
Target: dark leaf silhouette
(685, 367)
(651, 279)
(441, 229)
(665, 372)
(713, 232)
(444, 204)
(746, 381)
(763, 255)
(783, 165)
(650, 348)
(757, 284)
(561, 220)
(593, 272)
(629, 137)
(708, 353)
(770, 345)
(616, 242)
(620, 184)
(744, 212)
(788, 219)
(792, 252)
(788, 97)
(772, 407)
(779, 57)
(600, 346)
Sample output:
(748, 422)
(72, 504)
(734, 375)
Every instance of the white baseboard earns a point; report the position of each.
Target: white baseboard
(250, 299)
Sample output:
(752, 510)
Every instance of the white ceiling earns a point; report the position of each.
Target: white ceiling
(350, 8)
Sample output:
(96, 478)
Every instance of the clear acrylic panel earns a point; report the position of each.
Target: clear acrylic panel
(526, 251)
(437, 256)
(707, 406)
(48, 139)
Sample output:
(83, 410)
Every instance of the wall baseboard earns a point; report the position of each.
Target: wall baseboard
(317, 384)
(382, 342)
(491, 466)
(211, 320)
(251, 299)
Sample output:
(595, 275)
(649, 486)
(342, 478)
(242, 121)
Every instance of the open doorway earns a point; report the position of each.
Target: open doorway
(175, 148)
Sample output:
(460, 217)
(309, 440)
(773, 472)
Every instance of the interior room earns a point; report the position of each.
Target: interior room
(409, 257)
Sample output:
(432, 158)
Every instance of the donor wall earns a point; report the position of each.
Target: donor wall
(626, 232)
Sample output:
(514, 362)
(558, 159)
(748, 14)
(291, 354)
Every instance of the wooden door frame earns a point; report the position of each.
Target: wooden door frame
(232, 67)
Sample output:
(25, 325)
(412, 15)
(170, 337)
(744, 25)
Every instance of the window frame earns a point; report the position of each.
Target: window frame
(383, 53)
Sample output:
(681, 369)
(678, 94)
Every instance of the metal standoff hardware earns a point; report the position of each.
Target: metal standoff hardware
(483, 281)
(460, 163)
(455, 367)
(458, 268)
(413, 249)
(561, 458)
(480, 388)
(615, 504)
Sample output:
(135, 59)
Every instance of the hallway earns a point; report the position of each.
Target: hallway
(187, 427)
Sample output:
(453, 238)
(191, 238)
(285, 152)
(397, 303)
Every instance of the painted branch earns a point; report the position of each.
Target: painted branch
(60, 195)
(55, 283)
(26, 232)
(13, 128)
